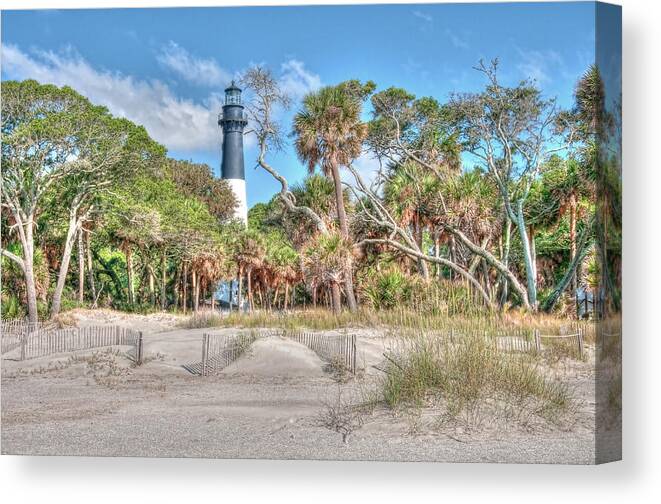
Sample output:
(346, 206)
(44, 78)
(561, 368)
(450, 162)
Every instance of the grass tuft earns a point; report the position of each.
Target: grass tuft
(471, 381)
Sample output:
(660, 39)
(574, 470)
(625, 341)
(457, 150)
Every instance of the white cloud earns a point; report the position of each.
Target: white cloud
(456, 40)
(421, 15)
(204, 72)
(540, 65)
(178, 123)
(296, 81)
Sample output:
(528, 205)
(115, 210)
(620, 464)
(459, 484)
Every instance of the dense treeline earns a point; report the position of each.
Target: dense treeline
(144, 228)
(485, 202)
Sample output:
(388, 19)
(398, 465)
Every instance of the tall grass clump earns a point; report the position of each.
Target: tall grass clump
(471, 382)
(202, 320)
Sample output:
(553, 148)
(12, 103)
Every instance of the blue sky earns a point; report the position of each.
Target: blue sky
(167, 68)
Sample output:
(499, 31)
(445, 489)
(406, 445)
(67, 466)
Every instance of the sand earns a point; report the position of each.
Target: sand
(276, 356)
(267, 404)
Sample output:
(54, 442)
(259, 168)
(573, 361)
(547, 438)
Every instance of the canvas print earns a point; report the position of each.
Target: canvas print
(368, 232)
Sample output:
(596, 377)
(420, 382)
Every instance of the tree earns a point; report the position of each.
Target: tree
(106, 150)
(405, 129)
(267, 99)
(400, 238)
(329, 133)
(196, 180)
(40, 124)
(410, 192)
(326, 262)
(249, 251)
(510, 131)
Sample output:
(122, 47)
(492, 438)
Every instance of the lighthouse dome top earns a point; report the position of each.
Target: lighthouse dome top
(233, 95)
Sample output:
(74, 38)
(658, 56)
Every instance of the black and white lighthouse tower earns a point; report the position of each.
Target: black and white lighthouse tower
(233, 121)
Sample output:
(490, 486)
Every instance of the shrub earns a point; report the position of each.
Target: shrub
(391, 288)
(387, 289)
(341, 415)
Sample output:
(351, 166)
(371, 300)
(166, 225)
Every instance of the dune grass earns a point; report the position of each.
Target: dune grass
(471, 382)
(511, 324)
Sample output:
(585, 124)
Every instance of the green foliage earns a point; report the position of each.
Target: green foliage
(387, 289)
(328, 129)
(12, 308)
(12, 276)
(196, 180)
(160, 222)
(326, 259)
(390, 288)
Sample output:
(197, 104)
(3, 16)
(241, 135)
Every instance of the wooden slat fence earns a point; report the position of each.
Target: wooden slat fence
(330, 347)
(40, 341)
(527, 340)
(13, 332)
(219, 351)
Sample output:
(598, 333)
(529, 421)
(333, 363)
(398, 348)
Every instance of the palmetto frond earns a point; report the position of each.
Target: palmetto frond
(328, 129)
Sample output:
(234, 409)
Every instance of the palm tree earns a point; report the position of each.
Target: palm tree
(411, 193)
(329, 133)
(209, 266)
(249, 256)
(327, 259)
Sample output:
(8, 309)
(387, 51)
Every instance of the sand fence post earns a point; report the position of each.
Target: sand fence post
(579, 338)
(24, 342)
(353, 353)
(538, 340)
(205, 353)
(138, 358)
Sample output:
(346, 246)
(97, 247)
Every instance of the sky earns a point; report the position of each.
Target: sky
(167, 68)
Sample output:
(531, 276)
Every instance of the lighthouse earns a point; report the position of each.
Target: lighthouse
(233, 122)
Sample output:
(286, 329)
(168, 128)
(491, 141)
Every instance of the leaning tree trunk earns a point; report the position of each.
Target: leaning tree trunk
(90, 270)
(129, 274)
(163, 281)
(572, 241)
(64, 265)
(571, 270)
(531, 280)
(81, 268)
(505, 259)
(344, 229)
